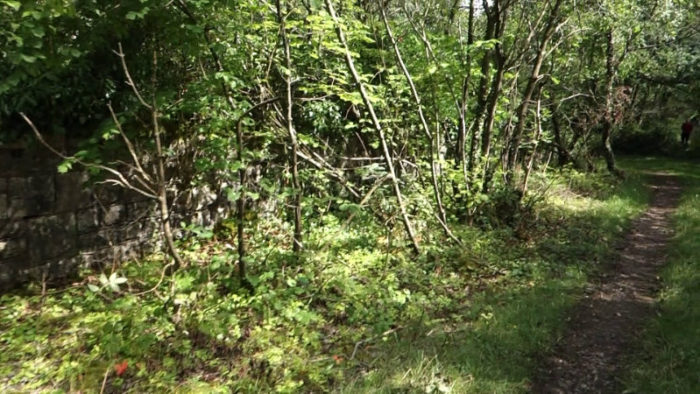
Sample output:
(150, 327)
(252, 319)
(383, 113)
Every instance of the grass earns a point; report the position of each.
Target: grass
(668, 357)
(460, 320)
(493, 344)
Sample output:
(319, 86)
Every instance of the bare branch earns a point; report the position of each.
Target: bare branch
(129, 80)
(120, 179)
(129, 145)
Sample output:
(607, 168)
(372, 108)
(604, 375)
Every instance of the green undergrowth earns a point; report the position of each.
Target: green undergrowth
(492, 341)
(668, 358)
(357, 313)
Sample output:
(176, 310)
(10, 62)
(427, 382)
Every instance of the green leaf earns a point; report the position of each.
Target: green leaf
(38, 31)
(15, 5)
(28, 58)
(65, 167)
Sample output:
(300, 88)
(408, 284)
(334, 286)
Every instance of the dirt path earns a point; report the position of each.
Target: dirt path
(607, 319)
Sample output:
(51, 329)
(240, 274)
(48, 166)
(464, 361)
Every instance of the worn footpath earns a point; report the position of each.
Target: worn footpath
(615, 304)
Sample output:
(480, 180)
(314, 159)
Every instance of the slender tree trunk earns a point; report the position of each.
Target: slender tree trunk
(378, 127)
(240, 204)
(483, 93)
(512, 156)
(424, 123)
(608, 121)
(453, 13)
(491, 103)
(162, 180)
(461, 159)
(563, 154)
(535, 140)
(281, 18)
(490, 117)
(485, 121)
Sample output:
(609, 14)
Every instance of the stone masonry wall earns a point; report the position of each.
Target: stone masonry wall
(51, 223)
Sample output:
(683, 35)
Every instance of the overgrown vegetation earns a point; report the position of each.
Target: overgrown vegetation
(360, 314)
(407, 195)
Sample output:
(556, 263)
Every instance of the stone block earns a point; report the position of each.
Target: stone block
(4, 206)
(87, 220)
(51, 236)
(71, 192)
(131, 250)
(98, 257)
(102, 238)
(140, 210)
(107, 195)
(11, 228)
(12, 248)
(18, 208)
(61, 268)
(6, 279)
(3, 185)
(16, 263)
(17, 186)
(114, 214)
(30, 196)
(133, 230)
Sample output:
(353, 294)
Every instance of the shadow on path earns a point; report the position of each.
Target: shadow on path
(606, 320)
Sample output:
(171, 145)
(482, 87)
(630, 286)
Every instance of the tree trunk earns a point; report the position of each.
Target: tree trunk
(378, 127)
(488, 129)
(281, 18)
(563, 154)
(162, 183)
(608, 121)
(535, 141)
(460, 157)
(424, 123)
(512, 154)
(482, 97)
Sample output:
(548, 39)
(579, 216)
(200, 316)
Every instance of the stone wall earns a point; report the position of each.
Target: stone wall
(51, 224)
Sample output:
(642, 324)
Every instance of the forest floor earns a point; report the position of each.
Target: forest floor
(616, 303)
(362, 315)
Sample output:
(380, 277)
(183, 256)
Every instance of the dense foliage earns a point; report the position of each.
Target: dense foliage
(372, 159)
(360, 315)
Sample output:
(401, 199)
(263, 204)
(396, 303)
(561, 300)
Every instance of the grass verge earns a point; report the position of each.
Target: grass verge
(493, 344)
(668, 357)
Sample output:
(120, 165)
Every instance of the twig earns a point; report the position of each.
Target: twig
(367, 196)
(162, 276)
(119, 177)
(370, 339)
(129, 145)
(104, 380)
(129, 80)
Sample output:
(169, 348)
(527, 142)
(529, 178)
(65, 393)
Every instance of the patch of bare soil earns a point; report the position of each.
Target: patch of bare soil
(616, 303)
